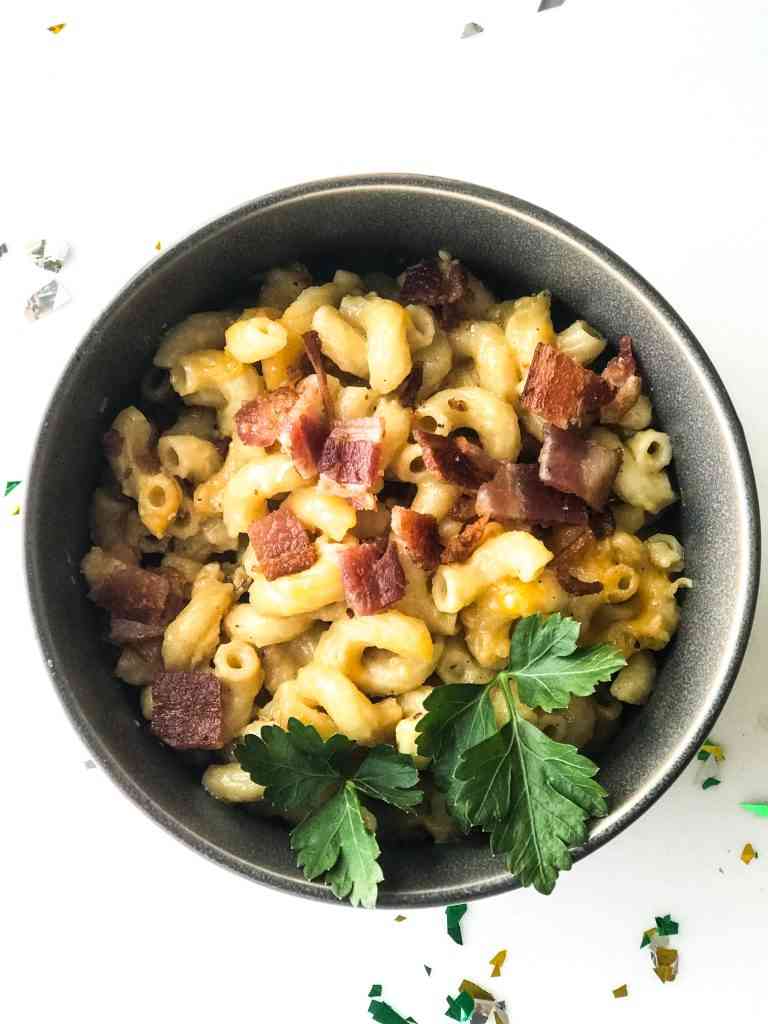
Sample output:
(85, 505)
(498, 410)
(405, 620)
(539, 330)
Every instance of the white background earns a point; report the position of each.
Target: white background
(642, 121)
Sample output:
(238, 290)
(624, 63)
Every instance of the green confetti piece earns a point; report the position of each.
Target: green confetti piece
(376, 990)
(761, 810)
(648, 937)
(461, 1008)
(428, 969)
(383, 1013)
(11, 486)
(666, 926)
(453, 915)
(710, 782)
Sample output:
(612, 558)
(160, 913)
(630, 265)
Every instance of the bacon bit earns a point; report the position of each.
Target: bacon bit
(458, 461)
(457, 404)
(561, 391)
(150, 651)
(312, 345)
(463, 508)
(516, 492)
(281, 544)
(570, 463)
(112, 443)
(562, 563)
(305, 429)
(128, 631)
(529, 448)
(437, 284)
(418, 533)
(460, 547)
(187, 710)
(372, 581)
(409, 389)
(258, 422)
(602, 523)
(352, 453)
(132, 593)
(622, 375)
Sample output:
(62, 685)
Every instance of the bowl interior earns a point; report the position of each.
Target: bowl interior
(383, 223)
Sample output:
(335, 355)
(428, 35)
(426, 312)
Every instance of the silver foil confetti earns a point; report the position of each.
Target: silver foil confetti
(47, 254)
(471, 29)
(48, 299)
(3, 248)
(490, 1011)
(89, 765)
(548, 5)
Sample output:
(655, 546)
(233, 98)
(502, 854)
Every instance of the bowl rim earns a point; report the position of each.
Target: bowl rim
(536, 216)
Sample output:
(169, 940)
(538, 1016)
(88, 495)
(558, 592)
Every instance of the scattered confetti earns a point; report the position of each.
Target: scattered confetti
(461, 1008)
(749, 853)
(665, 963)
(46, 300)
(16, 511)
(453, 915)
(548, 5)
(428, 969)
(376, 990)
(490, 1012)
(709, 782)
(711, 748)
(89, 765)
(472, 29)
(648, 937)
(621, 992)
(3, 248)
(383, 1013)
(761, 810)
(476, 991)
(666, 926)
(497, 962)
(48, 255)
(158, 246)
(11, 486)
(55, 29)
(401, 917)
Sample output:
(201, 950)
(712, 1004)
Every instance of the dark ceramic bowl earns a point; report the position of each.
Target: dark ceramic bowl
(377, 222)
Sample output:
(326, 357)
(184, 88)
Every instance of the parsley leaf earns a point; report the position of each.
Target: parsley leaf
(548, 666)
(327, 777)
(532, 794)
(458, 717)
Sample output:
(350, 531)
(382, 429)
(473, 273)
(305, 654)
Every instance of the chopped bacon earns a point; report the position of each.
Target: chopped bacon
(306, 428)
(460, 547)
(529, 448)
(351, 458)
(258, 422)
(570, 463)
(112, 443)
(372, 581)
(418, 533)
(437, 284)
(563, 564)
(458, 461)
(281, 544)
(516, 492)
(187, 710)
(312, 345)
(409, 389)
(128, 631)
(561, 391)
(602, 523)
(622, 375)
(133, 593)
(463, 508)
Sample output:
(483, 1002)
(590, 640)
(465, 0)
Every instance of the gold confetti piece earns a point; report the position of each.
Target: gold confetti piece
(401, 917)
(158, 246)
(749, 853)
(16, 511)
(621, 992)
(497, 962)
(57, 28)
(474, 990)
(715, 750)
(665, 963)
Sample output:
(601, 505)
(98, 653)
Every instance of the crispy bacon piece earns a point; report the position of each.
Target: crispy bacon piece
(187, 711)
(529, 448)
(622, 375)
(112, 443)
(563, 564)
(458, 461)
(133, 593)
(314, 354)
(281, 544)
(306, 428)
(437, 284)
(418, 533)
(570, 463)
(128, 631)
(372, 581)
(516, 492)
(602, 523)
(561, 391)
(258, 422)
(463, 508)
(460, 547)
(409, 389)
(351, 458)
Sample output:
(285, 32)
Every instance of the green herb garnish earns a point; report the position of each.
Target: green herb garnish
(301, 770)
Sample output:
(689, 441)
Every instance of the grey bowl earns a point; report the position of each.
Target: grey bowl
(376, 221)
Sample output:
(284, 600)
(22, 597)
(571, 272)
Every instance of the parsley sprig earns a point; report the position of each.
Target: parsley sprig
(327, 778)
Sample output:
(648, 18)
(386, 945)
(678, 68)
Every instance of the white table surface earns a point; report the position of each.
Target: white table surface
(642, 122)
